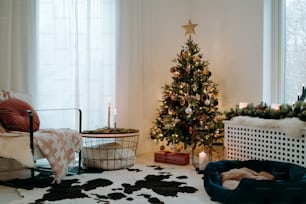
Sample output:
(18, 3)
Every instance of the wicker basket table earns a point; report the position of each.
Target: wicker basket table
(109, 151)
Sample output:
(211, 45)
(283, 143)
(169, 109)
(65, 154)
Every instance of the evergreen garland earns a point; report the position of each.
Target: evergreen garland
(264, 111)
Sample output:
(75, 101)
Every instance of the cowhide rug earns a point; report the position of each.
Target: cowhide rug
(138, 184)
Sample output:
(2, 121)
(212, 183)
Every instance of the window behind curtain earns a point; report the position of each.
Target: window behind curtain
(76, 55)
(294, 20)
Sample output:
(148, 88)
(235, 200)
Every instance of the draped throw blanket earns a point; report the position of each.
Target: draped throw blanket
(57, 145)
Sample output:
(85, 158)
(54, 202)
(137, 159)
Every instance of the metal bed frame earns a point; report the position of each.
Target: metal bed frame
(31, 132)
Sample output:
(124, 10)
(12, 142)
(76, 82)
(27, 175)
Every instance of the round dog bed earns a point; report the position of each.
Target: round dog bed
(289, 185)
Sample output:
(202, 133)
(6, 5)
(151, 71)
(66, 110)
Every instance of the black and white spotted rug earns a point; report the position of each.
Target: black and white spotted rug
(138, 184)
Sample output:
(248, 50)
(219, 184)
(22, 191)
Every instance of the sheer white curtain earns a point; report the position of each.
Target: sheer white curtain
(129, 62)
(17, 44)
(87, 51)
(76, 59)
(133, 58)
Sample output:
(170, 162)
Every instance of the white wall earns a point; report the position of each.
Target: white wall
(230, 35)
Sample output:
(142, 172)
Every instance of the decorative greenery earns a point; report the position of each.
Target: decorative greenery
(189, 102)
(262, 110)
(110, 131)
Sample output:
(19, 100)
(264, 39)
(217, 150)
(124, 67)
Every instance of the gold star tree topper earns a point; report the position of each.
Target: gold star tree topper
(189, 28)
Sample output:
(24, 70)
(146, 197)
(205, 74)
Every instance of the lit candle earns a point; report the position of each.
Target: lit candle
(108, 113)
(115, 115)
(202, 160)
(243, 105)
(109, 102)
(275, 106)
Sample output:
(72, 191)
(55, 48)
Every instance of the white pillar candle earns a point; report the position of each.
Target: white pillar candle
(202, 160)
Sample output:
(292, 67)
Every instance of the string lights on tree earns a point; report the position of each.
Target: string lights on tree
(190, 100)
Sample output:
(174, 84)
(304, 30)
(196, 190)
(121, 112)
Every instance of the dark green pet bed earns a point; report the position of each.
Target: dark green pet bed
(288, 187)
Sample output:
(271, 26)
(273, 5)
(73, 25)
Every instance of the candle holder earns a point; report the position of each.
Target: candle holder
(108, 118)
(303, 95)
(200, 156)
(199, 147)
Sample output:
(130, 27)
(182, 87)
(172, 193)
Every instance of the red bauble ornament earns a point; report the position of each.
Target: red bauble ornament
(162, 147)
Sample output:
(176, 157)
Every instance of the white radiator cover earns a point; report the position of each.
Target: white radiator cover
(245, 142)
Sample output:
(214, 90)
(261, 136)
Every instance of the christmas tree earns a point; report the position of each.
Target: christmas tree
(190, 102)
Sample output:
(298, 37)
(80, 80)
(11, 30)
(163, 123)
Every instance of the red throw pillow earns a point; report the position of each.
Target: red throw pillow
(14, 115)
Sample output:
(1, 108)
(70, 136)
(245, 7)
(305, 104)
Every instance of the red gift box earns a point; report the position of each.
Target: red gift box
(160, 156)
(171, 157)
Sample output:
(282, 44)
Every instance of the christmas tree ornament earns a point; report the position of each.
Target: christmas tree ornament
(162, 147)
(196, 58)
(188, 110)
(187, 69)
(182, 101)
(198, 97)
(216, 103)
(190, 130)
(207, 102)
(177, 120)
(204, 97)
(173, 98)
(170, 112)
(206, 72)
(172, 69)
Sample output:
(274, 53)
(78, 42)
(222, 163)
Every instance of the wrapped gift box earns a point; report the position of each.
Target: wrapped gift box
(177, 158)
(171, 157)
(160, 156)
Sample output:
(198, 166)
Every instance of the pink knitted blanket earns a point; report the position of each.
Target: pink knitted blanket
(59, 147)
